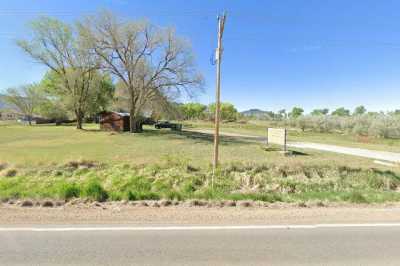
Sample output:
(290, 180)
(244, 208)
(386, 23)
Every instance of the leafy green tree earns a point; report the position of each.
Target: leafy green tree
(59, 47)
(153, 63)
(193, 110)
(282, 113)
(323, 111)
(341, 112)
(359, 110)
(296, 112)
(51, 108)
(97, 97)
(26, 99)
(103, 94)
(228, 111)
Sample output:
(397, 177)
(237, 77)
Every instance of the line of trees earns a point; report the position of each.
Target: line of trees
(381, 125)
(297, 112)
(359, 122)
(198, 111)
(151, 65)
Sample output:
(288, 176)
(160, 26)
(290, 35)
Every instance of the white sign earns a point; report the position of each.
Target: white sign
(277, 136)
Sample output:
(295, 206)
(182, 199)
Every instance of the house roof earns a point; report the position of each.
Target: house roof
(146, 115)
(122, 114)
(118, 113)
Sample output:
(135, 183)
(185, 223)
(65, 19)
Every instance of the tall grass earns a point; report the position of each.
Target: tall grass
(177, 179)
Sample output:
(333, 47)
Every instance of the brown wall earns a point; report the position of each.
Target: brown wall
(113, 122)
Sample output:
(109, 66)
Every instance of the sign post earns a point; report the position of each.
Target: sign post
(277, 136)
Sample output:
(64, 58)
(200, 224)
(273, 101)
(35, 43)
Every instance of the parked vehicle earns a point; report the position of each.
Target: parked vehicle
(167, 124)
(149, 121)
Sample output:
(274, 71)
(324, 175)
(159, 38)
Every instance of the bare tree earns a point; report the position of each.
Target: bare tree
(151, 62)
(26, 99)
(55, 45)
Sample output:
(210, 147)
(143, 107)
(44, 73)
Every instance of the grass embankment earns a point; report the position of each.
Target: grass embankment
(179, 180)
(62, 163)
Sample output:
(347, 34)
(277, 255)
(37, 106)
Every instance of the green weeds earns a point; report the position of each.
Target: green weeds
(179, 180)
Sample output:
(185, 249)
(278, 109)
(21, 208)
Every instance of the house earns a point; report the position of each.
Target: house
(114, 121)
(6, 114)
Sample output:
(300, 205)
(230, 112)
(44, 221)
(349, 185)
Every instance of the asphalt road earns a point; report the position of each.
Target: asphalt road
(273, 246)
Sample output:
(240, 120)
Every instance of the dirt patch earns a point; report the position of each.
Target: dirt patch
(3, 166)
(143, 212)
(9, 172)
(81, 164)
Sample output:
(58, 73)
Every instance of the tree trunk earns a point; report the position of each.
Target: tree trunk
(135, 121)
(79, 120)
(78, 123)
(136, 125)
(29, 120)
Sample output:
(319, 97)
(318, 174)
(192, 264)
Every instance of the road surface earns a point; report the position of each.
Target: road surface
(372, 154)
(334, 245)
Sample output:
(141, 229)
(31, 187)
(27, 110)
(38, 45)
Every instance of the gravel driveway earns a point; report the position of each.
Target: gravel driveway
(372, 154)
(378, 155)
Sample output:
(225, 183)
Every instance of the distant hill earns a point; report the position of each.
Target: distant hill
(255, 113)
(3, 104)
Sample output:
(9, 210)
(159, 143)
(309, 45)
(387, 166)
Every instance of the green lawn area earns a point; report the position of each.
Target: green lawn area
(38, 145)
(27, 146)
(47, 161)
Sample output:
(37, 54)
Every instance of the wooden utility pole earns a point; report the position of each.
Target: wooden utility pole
(218, 57)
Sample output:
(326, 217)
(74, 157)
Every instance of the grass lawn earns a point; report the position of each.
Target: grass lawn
(26, 146)
(41, 145)
(62, 162)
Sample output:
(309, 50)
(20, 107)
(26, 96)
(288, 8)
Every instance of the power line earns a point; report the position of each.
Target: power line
(205, 14)
(75, 13)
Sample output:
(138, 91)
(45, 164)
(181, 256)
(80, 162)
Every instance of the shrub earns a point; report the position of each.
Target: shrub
(173, 195)
(115, 195)
(10, 173)
(355, 197)
(138, 183)
(378, 125)
(95, 191)
(135, 195)
(69, 190)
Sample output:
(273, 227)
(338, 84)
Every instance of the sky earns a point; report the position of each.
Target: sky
(277, 54)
